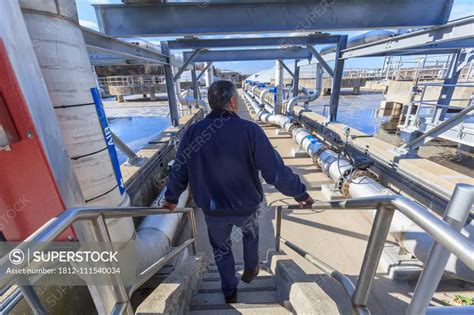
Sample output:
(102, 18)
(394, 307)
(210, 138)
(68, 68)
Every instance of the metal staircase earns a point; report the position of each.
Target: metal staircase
(259, 297)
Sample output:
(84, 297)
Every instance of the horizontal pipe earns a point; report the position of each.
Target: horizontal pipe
(335, 166)
(145, 274)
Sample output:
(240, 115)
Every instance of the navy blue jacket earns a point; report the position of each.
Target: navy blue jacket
(220, 157)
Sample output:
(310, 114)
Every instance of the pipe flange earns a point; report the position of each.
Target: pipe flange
(342, 181)
(346, 183)
(294, 124)
(321, 150)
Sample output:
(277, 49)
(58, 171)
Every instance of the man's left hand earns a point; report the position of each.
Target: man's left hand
(168, 205)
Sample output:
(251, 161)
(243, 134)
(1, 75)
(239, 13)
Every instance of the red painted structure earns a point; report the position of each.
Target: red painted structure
(28, 193)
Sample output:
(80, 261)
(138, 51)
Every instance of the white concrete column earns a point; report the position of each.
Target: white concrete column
(62, 55)
(279, 87)
(209, 75)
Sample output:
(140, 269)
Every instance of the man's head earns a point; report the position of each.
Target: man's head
(222, 95)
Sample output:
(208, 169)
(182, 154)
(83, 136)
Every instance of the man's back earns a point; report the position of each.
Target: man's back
(220, 157)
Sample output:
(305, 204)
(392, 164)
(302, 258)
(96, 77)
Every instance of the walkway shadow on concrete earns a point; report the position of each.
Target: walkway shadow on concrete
(322, 226)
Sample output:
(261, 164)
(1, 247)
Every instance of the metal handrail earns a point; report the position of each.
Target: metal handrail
(438, 130)
(441, 232)
(459, 84)
(96, 215)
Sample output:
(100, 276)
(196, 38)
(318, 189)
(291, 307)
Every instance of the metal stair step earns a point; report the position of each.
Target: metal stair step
(249, 297)
(247, 289)
(259, 282)
(238, 266)
(215, 274)
(241, 308)
(215, 277)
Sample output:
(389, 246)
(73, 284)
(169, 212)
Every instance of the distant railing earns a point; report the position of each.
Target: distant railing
(132, 81)
(428, 110)
(437, 72)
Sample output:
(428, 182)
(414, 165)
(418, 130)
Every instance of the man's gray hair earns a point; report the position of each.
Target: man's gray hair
(220, 93)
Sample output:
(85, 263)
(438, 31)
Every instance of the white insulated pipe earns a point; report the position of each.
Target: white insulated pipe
(209, 75)
(156, 233)
(278, 106)
(189, 101)
(262, 95)
(310, 97)
(410, 236)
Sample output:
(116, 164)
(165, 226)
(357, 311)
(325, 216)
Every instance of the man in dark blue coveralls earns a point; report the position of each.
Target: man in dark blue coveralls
(220, 157)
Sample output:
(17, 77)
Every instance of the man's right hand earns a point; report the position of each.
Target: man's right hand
(306, 203)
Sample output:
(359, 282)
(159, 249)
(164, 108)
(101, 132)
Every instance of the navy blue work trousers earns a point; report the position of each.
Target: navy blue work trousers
(221, 236)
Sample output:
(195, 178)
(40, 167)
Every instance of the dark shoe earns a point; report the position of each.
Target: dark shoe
(232, 298)
(248, 276)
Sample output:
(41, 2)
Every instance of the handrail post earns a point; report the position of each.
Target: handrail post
(192, 220)
(279, 210)
(108, 295)
(378, 235)
(456, 215)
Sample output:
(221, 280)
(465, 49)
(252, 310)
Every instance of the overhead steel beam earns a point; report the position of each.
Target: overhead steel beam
(280, 41)
(450, 47)
(296, 79)
(451, 36)
(251, 54)
(191, 18)
(100, 46)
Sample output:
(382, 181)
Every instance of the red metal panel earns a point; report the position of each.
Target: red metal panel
(6, 124)
(28, 193)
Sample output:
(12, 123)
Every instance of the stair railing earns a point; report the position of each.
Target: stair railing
(445, 233)
(96, 216)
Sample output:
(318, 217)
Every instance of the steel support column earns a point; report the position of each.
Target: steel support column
(195, 83)
(296, 79)
(337, 79)
(170, 90)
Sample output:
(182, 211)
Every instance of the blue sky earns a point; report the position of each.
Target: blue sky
(87, 18)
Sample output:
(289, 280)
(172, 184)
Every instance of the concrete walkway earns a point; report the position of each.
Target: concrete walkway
(338, 237)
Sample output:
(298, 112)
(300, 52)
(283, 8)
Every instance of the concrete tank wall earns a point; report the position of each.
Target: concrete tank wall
(400, 92)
